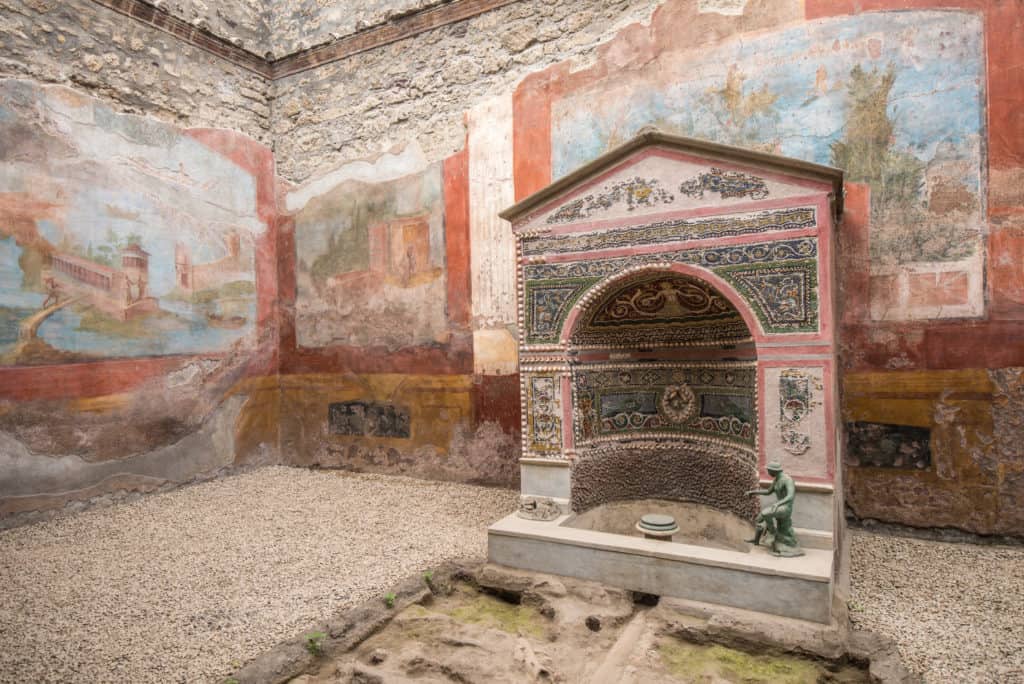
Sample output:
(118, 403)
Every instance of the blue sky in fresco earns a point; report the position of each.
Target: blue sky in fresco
(937, 96)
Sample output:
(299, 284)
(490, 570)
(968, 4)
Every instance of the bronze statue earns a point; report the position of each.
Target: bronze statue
(776, 520)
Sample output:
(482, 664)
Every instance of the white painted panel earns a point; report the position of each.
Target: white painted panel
(492, 247)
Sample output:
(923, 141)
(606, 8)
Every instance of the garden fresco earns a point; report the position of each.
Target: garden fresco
(119, 236)
(372, 251)
(858, 93)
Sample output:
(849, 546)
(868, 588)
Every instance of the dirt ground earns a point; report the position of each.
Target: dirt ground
(559, 631)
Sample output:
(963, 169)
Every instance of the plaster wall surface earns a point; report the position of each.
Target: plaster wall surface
(137, 296)
(31, 484)
(135, 68)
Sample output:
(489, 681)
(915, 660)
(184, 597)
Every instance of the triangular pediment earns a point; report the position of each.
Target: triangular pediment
(655, 174)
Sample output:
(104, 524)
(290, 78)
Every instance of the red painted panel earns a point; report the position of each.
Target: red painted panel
(938, 289)
(975, 345)
(882, 346)
(94, 379)
(286, 288)
(454, 358)
(1006, 273)
(456, 226)
(531, 130)
(496, 399)
(853, 260)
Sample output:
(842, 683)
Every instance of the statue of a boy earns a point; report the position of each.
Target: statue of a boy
(776, 520)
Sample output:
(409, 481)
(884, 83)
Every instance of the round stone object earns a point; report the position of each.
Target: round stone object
(657, 526)
(657, 522)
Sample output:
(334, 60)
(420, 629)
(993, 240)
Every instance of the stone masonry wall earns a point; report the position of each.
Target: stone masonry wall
(420, 88)
(135, 68)
(242, 22)
(298, 24)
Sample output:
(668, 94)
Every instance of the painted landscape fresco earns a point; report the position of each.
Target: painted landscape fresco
(372, 252)
(893, 99)
(119, 236)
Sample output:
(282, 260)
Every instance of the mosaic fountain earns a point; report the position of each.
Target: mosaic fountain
(677, 333)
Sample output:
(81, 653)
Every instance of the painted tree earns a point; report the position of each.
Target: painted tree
(866, 152)
(902, 229)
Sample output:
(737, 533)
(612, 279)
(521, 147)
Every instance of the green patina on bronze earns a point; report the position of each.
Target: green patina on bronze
(776, 521)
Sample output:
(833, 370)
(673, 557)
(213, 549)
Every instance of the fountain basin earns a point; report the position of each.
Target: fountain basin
(698, 524)
(754, 579)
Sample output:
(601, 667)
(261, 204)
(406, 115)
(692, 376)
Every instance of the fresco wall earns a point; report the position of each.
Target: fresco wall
(119, 237)
(129, 302)
(916, 101)
(372, 251)
(919, 106)
(856, 93)
(376, 347)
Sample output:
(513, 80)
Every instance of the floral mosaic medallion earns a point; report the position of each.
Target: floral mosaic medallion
(728, 184)
(678, 403)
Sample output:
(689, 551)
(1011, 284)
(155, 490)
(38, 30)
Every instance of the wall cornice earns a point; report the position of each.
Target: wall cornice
(399, 28)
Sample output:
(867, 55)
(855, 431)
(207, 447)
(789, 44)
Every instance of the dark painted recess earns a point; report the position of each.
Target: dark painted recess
(368, 418)
(882, 445)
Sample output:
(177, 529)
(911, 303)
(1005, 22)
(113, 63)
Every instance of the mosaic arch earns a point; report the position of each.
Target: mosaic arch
(679, 423)
(675, 317)
(659, 305)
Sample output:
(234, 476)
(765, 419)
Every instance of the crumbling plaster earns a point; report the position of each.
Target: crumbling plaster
(136, 68)
(419, 89)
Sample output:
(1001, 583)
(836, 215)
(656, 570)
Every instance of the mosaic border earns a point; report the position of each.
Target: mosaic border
(707, 257)
(542, 416)
(672, 230)
(723, 261)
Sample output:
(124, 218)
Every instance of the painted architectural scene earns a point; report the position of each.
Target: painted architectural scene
(372, 251)
(119, 237)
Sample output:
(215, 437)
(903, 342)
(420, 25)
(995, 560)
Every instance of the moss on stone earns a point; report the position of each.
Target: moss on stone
(493, 612)
(690, 662)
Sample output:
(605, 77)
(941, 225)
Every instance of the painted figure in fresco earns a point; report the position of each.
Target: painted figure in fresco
(776, 520)
(53, 292)
(140, 289)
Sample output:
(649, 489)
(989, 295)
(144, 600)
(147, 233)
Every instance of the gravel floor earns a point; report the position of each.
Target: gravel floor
(185, 586)
(956, 611)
